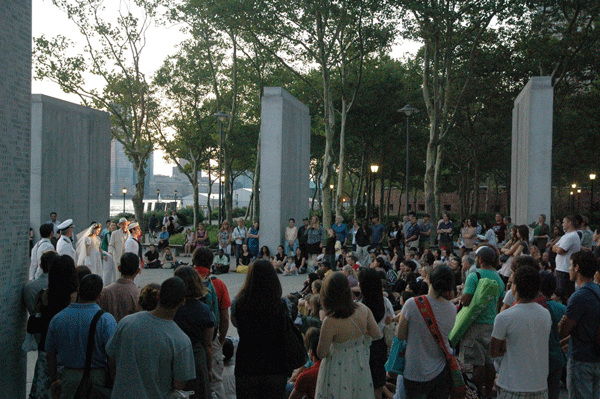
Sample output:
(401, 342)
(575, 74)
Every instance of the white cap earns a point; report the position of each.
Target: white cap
(133, 226)
(122, 220)
(66, 224)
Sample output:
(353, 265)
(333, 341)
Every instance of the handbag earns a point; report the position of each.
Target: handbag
(395, 363)
(86, 389)
(295, 352)
(459, 388)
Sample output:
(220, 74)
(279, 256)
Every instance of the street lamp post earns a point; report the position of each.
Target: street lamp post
(175, 199)
(221, 117)
(374, 170)
(124, 191)
(592, 178)
(158, 195)
(408, 111)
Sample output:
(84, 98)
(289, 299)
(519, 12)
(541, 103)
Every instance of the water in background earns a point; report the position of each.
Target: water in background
(116, 206)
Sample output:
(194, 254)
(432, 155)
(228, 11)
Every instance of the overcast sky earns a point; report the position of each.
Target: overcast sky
(50, 21)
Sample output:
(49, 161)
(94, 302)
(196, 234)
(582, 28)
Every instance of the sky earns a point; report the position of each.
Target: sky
(48, 20)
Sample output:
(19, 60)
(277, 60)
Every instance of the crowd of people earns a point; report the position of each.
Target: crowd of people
(516, 307)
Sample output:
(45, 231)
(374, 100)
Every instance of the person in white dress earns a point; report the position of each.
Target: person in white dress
(88, 249)
(346, 335)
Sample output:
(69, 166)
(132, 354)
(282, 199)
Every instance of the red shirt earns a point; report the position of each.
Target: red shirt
(220, 287)
(306, 383)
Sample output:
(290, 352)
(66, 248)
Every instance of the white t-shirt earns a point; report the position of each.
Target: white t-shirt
(526, 328)
(509, 298)
(389, 312)
(571, 243)
(425, 360)
(150, 353)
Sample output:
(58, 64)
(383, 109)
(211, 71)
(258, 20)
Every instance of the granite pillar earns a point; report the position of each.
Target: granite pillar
(284, 170)
(531, 170)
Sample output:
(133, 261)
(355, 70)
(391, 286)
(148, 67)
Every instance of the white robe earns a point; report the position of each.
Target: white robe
(116, 247)
(64, 246)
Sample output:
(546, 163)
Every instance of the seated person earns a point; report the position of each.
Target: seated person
(306, 383)
(221, 262)
(290, 267)
(314, 316)
(279, 260)
(163, 238)
(151, 258)
(169, 261)
(246, 256)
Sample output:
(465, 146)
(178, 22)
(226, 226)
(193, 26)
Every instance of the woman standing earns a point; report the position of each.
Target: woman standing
(371, 291)
(541, 233)
(253, 237)
(315, 239)
(225, 238)
(518, 246)
(425, 373)
(201, 239)
(259, 312)
(469, 235)
(196, 321)
(344, 342)
(394, 236)
(88, 249)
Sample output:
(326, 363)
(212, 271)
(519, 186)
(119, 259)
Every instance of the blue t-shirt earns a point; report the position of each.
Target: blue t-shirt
(341, 231)
(377, 231)
(584, 308)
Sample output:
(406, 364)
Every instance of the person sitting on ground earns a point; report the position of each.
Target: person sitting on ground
(306, 383)
(169, 260)
(290, 267)
(350, 274)
(264, 253)
(221, 263)
(245, 256)
(300, 261)
(352, 261)
(151, 258)
(120, 298)
(307, 288)
(279, 260)
(189, 242)
(163, 238)
(229, 370)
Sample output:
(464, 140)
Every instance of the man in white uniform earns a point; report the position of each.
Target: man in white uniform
(132, 244)
(64, 246)
(116, 245)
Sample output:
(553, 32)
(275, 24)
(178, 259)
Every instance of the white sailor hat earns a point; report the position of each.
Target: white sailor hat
(66, 224)
(122, 220)
(133, 226)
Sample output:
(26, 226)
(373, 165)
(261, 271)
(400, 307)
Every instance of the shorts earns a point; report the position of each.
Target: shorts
(504, 394)
(475, 345)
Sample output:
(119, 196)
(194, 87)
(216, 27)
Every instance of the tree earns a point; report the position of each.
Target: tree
(186, 86)
(112, 53)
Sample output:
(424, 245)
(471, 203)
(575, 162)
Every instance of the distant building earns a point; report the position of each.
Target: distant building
(123, 174)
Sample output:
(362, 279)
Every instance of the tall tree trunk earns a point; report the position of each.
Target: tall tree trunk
(341, 166)
(208, 206)
(437, 174)
(381, 194)
(360, 190)
(256, 182)
(138, 196)
(196, 206)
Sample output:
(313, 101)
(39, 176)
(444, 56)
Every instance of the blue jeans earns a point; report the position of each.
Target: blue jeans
(288, 249)
(583, 379)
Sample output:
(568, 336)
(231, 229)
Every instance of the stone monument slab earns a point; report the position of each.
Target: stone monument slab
(15, 152)
(70, 162)
(531, 166)
(285, 168)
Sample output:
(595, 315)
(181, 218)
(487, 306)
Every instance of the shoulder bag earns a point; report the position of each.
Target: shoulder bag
(459, 388)
(295, 352)
(86, 389)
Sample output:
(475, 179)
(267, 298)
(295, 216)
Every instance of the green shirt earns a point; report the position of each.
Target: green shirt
(489, 313)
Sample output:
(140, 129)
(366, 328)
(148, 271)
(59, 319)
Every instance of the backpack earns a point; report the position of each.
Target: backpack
(212, 300)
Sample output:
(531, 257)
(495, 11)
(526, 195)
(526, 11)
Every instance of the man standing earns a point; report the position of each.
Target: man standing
(412, 233)
(581, 322)
(499, 228)
(66, 342)
(377, 233)
(64, 246)
(303, 235)
(132, 243)
(508, 225)
(363, 237)
(116, 244)
(120, 298)
(341, 230)
(521, 335)
(445, 228)
(54, 222)
(43, 245)
(425, 232)
(568, 244)
(202, 260)
(239, 236)
(149, 355)
(475, 344)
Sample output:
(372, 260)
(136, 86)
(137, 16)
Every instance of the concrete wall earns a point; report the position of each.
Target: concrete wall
(284, 169)
(531, 170)
(15, 91)
(70, 162)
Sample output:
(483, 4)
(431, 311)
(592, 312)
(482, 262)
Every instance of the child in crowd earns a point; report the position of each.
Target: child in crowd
(290, 267)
